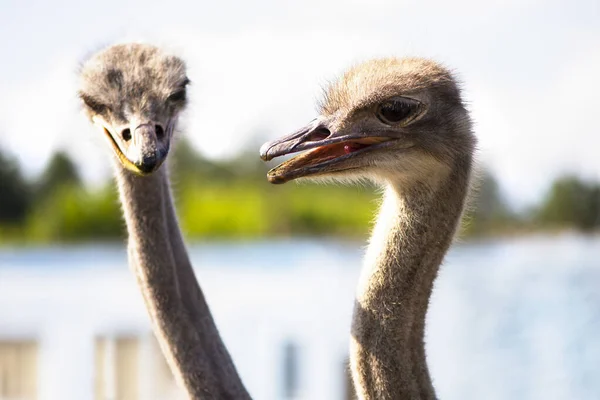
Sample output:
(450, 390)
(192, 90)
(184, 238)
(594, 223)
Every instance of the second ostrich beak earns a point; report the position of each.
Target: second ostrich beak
(324, 151)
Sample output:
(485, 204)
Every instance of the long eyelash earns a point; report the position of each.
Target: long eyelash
(179, 95)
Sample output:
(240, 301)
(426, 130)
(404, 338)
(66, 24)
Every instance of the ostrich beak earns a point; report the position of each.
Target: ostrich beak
(325, 151)
(303, 139)
(145, 152)
(142, 149)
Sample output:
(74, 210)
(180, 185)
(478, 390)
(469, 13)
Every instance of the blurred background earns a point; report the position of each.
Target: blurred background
(516, 310)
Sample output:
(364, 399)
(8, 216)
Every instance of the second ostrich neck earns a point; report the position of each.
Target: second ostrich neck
(414, 229)
(181, 318)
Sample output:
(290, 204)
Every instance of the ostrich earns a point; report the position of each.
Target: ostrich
(400, 123)
(134, 94)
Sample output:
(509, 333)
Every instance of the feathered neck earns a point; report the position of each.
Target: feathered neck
(180, 316)
(414, 229)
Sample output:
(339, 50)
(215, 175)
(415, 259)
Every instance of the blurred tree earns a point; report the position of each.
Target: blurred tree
(187, 165)
(15, 194)
(489, 211)
(61, 171)
(216, 209)
(571, 202)
(247, 165)
(71, 213)
(232, 199)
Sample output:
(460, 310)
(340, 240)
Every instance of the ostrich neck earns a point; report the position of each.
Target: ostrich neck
(414, 229)
(181, 319)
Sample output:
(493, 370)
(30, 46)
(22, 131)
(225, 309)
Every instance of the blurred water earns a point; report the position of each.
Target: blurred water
(510, 319)
(518, 319)
(273, 254)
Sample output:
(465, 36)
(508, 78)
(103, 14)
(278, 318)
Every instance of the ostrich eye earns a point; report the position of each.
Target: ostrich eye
(397, 110)
(178, 96)
(93, 104)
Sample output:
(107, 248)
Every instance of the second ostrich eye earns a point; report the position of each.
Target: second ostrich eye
(178, 96)
(93, 104)
(398, 110)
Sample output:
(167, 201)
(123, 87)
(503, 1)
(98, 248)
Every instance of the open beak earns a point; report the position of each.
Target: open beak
(325, 151)
(141, 150)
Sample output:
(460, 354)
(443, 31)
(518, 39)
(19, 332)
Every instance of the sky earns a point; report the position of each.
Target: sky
(530, 71)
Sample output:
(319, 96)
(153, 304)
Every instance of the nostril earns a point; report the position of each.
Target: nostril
(160, 132)
(126, 134)
(319, 134)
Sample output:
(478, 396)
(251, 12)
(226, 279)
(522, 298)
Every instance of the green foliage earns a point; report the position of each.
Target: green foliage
(315, 209)
(223, 210)
(240, 209)
(61, 171)
(489, 212)
(15, 195)
(72, 213)
(231, 199)
(65, 211)
(572, 203)
(187, 165)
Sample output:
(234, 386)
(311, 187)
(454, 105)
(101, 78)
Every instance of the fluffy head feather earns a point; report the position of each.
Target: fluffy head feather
(134, 78)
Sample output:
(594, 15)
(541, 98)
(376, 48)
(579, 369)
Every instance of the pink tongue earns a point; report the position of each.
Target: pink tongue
(349, 148)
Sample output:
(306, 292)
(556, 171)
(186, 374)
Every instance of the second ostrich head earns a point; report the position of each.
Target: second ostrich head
(134, 94)
(386, 119)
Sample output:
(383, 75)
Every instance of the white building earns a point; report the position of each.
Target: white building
(73, 326)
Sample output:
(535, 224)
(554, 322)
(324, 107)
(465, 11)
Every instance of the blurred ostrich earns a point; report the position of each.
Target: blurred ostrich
(134, 93)
(400, 123)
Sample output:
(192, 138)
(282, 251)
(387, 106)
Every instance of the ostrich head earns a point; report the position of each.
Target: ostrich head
(134, 94)
(386, 119)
